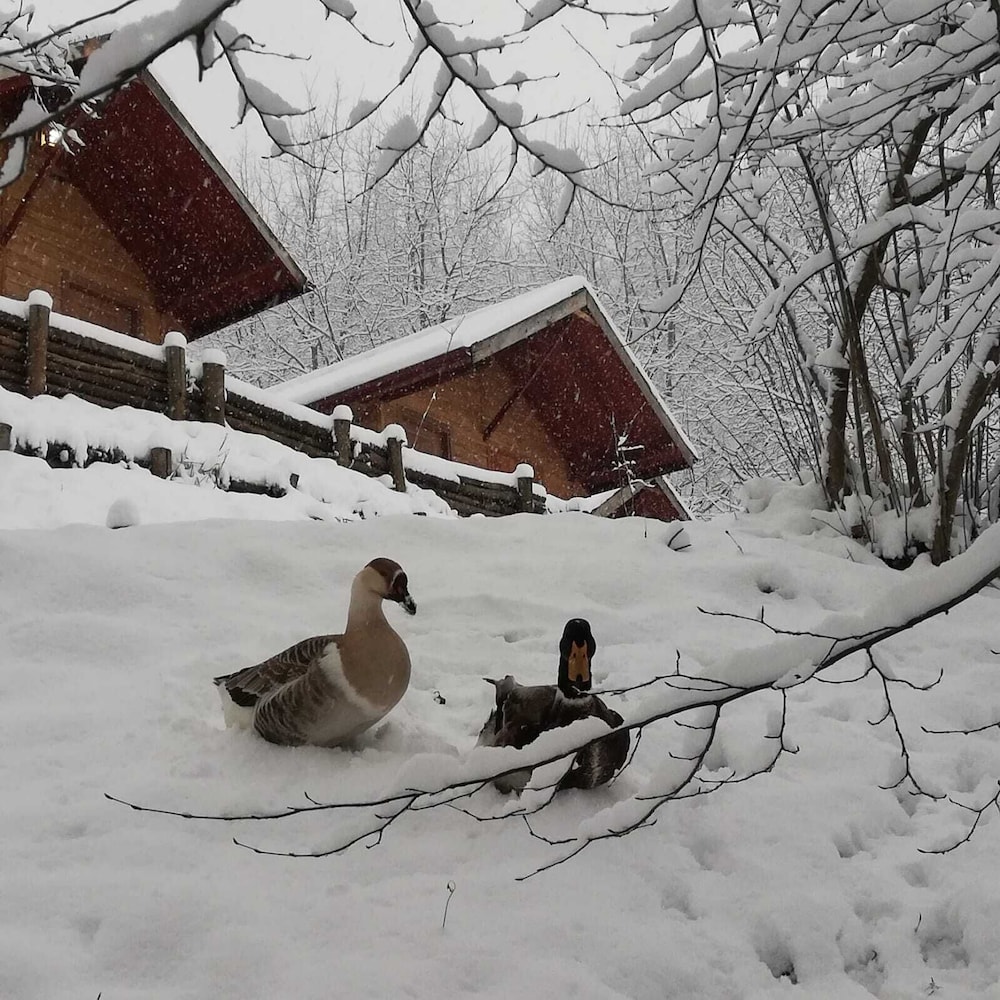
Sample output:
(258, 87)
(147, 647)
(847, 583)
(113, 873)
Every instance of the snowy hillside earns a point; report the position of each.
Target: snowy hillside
(807, 882)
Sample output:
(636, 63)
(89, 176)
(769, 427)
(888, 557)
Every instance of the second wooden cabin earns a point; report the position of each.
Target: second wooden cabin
(544, 378)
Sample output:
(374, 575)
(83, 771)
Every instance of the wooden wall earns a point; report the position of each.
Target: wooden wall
(465, 405)
(59, 244)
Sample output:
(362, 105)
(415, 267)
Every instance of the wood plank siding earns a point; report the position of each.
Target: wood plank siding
(57, 242)
(463, 406)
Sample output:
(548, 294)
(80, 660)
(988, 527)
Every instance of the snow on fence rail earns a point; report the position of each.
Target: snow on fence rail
(42, 352)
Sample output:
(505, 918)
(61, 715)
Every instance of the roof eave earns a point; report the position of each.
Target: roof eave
(674, 497)
(652, 397)
(288, 262)
(527, 327)
(584, 299)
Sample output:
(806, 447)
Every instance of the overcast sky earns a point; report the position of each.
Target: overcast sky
(335, 57)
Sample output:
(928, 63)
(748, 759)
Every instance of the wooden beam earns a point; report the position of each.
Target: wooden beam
(520, 390)
(213, 387)
(394, 447)
(161, 463)
(617, 500)
(176, 356)
(342, 420)
(525, 328)
(525, 488)
(39, 309)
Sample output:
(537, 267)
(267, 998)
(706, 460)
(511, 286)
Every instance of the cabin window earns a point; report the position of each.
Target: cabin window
(97, 306)
(432, 437)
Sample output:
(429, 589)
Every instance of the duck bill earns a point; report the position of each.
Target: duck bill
(579, 667)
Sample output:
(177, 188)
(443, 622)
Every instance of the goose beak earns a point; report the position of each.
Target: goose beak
(408, 603)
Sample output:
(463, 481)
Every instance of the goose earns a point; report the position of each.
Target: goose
(326, 690)
(523, 713)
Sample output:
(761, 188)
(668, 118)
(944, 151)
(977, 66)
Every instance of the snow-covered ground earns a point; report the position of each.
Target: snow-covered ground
(807, 882)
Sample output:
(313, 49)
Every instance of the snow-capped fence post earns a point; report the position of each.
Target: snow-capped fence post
(161, 462)
(525, 476)
(175, 351)
(6, 437)
(343, 417)
(39, 308)
(213, 386)
(395, 438)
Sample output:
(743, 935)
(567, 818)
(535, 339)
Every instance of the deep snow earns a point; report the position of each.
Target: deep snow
(109, 642)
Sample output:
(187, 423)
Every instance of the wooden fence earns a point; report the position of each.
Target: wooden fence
(42, 352)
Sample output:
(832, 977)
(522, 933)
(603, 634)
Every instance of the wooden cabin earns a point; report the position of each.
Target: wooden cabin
(137, 227)
(543, 378)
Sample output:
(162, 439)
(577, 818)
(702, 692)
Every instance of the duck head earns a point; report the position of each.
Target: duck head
(387, 578)
(576, 650)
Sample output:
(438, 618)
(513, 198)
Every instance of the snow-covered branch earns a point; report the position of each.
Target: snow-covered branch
(696, 700)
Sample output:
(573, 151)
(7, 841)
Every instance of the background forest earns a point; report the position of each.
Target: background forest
(436, 238)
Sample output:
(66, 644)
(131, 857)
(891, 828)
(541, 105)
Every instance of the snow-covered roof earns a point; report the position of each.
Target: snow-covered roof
(481, 333)
(461, 332)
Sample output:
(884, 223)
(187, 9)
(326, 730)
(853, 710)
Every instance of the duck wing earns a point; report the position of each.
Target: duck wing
(598, 761)
(490, 733)
(247, 686)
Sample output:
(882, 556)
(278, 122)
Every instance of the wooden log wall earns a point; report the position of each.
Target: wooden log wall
(13, 353)
(37, 356)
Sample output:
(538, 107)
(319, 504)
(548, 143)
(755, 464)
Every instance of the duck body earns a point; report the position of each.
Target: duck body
(327, 689)
(524, 712)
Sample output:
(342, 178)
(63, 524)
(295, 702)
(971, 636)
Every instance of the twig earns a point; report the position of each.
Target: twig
(451, 892)
(978, 811)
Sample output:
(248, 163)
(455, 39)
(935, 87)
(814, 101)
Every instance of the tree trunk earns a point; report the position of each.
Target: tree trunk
(978, 385)
(854, 306)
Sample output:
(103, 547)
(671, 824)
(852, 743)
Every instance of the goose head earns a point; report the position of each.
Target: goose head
(385, 578)
(576, 650)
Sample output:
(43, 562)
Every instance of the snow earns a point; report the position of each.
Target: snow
(19, 308)
(460, 333)
(814, 871)
(447, 469)
(213, 356)
(341, 8)
(123, 513)
(265, 398)
(208, 454)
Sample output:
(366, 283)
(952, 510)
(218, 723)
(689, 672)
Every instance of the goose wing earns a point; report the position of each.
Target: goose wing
(248, 685)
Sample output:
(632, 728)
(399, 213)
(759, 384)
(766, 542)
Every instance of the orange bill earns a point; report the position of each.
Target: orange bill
(579, 664)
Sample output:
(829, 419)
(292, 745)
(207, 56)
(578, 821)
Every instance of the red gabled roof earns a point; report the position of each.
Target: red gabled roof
(208, 255)
(564, 354)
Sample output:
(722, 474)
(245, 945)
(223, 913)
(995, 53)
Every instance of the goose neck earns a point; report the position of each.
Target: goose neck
(365, 610)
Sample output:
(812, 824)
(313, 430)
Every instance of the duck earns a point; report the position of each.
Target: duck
(522, 713)
(326, 690)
